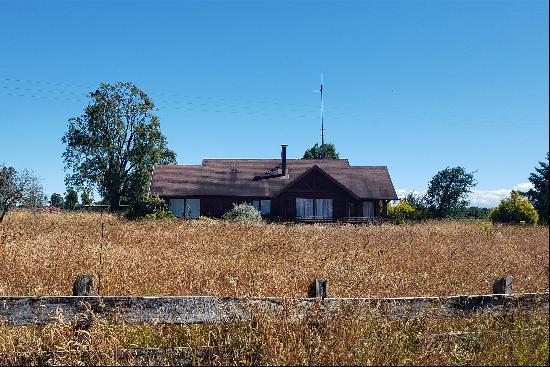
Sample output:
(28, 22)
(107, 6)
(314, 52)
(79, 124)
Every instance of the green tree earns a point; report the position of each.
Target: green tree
(538, 195)
(326, 151)
(71, 199)
(474, 212)
(57, 200)
(86, 197)
(19, 189)
(516, 209)
(447, 191)
(114, 145)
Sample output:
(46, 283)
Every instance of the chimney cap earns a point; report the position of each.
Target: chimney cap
(284, 145)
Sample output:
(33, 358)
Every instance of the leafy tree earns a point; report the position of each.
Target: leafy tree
(447, 191)
(326, 151)
(516, 209)
(34, 193)
(418, 203)
(18, 188)
(71, 199)
(474, 212)
(114, 145)
(86, 197)
(539, 194)
(57, 200)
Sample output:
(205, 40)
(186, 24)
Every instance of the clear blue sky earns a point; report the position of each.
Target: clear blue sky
(414, 85)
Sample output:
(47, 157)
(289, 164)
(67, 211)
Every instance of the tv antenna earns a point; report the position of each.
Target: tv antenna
(322, 122)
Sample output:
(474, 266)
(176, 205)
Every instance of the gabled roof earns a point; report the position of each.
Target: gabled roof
(260, 178)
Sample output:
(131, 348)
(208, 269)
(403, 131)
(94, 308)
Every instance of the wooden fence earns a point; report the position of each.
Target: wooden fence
(82, 307)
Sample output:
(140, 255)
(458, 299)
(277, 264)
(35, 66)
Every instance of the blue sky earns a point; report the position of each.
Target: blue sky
(414, 85)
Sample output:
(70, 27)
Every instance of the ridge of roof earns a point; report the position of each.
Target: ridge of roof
(236, 178)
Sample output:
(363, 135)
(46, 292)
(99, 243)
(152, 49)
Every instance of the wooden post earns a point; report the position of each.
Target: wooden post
(318, 289)
(503, 285)
(83, 285)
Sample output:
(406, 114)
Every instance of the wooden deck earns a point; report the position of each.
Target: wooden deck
(357, 220)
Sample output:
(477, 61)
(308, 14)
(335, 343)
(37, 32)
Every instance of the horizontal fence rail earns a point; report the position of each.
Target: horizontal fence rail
(83, 309)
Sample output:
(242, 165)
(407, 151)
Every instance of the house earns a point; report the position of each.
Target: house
(299, 189)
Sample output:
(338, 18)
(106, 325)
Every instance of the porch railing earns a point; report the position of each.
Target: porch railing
(319, 219)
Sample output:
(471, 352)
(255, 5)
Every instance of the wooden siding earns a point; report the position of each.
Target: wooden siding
(312, 186)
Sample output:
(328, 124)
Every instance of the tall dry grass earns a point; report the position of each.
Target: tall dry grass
(41, 254)
(510, 340)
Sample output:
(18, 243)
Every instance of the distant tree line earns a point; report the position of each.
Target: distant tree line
(113, 146)
(70, 200)
(447, 193)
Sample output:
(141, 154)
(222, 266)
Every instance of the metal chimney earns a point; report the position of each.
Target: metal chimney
(283, 159)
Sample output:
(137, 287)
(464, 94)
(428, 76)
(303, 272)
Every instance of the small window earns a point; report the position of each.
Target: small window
(192, 208)
(188, 208)
(177, 206)
(265, 206)
(256, 204)
(368, 209)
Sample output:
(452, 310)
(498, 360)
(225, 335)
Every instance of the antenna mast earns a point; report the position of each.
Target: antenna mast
(322, 122)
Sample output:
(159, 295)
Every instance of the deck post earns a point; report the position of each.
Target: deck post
(318, 289)
(503, 285)
(83, 285)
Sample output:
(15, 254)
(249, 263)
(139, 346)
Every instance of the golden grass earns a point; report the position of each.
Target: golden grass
(510, 340)
(42, 254)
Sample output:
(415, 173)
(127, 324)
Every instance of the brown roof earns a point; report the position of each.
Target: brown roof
(260, 178)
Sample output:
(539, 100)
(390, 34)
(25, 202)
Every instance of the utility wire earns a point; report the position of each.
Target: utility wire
(200, 104)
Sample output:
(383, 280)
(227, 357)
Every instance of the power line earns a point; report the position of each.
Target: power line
(38, 93)
(176, 95)
(190, 103)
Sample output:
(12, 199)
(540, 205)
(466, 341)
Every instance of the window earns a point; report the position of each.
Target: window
(188, 208)
(265, 206)
(323, 208)
(176, 207)
(304, 208)
(192, 208)
(368, 209)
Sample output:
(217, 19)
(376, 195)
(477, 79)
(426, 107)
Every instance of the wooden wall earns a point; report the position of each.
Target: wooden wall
(314, 186)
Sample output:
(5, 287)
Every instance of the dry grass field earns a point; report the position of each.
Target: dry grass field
(40, 254)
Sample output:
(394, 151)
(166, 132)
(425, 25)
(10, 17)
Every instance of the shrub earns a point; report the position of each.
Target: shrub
(148, 206)
(401, 212)
(243, 212)
(516, 209)
(161, 214)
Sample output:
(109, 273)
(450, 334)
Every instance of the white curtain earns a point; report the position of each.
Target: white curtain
(323, 208)
(368, 209)
(304, 208)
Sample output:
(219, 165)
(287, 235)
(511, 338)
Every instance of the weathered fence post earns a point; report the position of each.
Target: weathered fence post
(83, 285)
(318, 289)
(503, 285)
